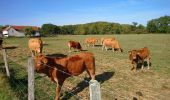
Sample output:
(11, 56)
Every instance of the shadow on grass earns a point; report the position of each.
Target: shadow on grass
(45, 44)
(10, 47)
(101, 78)
(98, 45)
(58, 55)
(18, 84)
(139, 65)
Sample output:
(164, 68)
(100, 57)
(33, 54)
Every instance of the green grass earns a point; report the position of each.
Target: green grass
(112, 68)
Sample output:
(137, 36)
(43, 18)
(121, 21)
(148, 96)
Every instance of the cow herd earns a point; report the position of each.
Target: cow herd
(58, 69)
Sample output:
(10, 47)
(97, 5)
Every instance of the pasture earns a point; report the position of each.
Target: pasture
(112, 69)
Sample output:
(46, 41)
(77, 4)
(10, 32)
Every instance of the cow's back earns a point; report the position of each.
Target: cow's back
(90, 40)
(143, 52)
(108, 42)
(76, 64)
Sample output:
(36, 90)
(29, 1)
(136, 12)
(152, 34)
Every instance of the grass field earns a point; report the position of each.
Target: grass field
(112, 69)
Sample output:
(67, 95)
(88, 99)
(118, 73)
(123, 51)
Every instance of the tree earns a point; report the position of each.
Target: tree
(29, 31)
(1, 28)
(133, 27)
(49, 29)
(151, 26)
(159, 25)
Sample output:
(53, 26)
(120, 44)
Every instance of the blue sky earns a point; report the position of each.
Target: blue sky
(64, 12)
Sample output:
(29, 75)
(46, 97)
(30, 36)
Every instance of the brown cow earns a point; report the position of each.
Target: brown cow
(139, 55)
(102, 39)
(114, 44)
(58, 69)
(74, 45)
(35, 45)
(90, 41)
(1, 41)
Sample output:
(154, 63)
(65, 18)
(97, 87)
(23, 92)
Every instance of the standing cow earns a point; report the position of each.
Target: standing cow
(114, 44)
(58, 69)
(74, 45)
(35, 45)
(102, 39)
(90, 41)
(139, 55)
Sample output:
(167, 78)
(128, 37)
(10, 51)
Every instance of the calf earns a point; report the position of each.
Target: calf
(74, 45)
(139, 55)
(35, 45)
(58, 69)
(114, 44)
(90, 41)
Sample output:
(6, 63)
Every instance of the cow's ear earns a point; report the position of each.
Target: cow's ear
(41, 55)
(130, 52)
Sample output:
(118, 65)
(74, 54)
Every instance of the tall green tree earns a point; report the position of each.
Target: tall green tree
(49, 29)
(159, 25)
(29, 31)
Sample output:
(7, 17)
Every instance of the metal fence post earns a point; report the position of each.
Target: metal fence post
(30, 79)
(94, 90)
(6, 62)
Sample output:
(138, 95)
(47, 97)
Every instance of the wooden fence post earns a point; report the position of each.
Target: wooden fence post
(6, 62)
(30, 79)
(94, 90)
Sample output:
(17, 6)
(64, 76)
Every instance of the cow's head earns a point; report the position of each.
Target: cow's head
(40, 63)
(133, 54)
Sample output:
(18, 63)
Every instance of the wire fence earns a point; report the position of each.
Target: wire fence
(45, 89)
(75, 88)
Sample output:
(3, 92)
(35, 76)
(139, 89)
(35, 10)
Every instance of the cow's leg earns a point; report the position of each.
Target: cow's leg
(133, 66)
(142, 64)
(69, 49)
(148, 61)
(113, 49)
(88, 45)
(91, 73)
(102, 47)
(58, 88)
(105, 48)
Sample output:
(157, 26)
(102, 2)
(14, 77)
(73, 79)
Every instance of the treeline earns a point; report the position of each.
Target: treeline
(159, 25)
(93, 28)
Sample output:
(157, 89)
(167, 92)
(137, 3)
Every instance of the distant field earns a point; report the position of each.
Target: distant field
(112, 69)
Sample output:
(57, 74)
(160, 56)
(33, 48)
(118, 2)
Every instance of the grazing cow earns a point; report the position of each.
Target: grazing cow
(114, 44)
(139, 55)
(35, 45)
(74, 45)
(90, 41)
(102, 39)
(58, 69)
(1, 41)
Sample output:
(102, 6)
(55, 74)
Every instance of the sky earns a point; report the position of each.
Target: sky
(66, 12)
